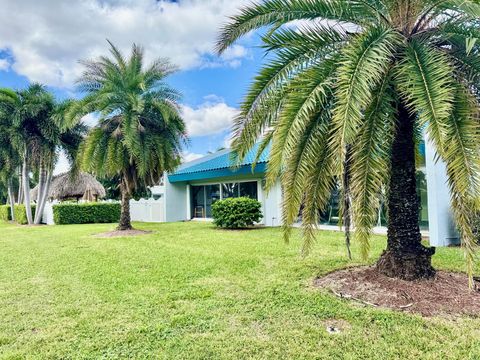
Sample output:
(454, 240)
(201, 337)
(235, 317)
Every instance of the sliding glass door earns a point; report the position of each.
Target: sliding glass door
(204, 196)
(212, 193)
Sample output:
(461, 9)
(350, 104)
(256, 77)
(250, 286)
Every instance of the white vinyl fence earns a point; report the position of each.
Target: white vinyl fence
(47, 216)
(147, 210)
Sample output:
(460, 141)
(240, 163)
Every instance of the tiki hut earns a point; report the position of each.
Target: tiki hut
(67, 186)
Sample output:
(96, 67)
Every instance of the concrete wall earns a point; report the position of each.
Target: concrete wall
(176, 198)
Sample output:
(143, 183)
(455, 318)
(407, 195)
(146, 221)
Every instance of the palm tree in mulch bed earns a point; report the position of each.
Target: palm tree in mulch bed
(369, 76)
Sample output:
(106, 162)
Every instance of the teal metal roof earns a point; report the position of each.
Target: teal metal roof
(220, 165)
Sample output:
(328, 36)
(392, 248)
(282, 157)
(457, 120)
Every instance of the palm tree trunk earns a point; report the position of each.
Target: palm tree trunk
(41, 189)
(405, 256)
(125, 223)
(43, 200)
(11, 199)
(20, 187)
(26, 190)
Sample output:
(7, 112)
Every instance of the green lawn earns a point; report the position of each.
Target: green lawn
(189, 291)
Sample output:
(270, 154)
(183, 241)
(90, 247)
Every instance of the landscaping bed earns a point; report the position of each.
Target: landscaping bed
(447, 294)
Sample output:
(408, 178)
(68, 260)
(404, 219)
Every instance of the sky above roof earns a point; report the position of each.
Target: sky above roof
(42, 41)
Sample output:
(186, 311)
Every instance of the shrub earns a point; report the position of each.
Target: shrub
(236, 213)
(86, 213)
(21, 214)
(5, 215)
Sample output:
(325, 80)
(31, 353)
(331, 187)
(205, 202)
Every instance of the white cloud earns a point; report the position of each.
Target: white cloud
(189, 156)
(4, 64)
(59, 33)
(212, 117)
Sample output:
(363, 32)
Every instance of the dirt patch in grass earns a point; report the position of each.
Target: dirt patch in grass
(123, 233)
(447, 294)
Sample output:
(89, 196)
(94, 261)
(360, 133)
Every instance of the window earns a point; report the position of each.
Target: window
(212, 193)
(249, 189)
(229, 190)
(204, 196)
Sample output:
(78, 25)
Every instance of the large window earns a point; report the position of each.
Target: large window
(331, 215)
(229, 190)
(212, 194)
(249, 189)
(204, 196)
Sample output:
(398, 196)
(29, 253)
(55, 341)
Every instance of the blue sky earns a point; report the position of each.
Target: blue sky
(48, 50)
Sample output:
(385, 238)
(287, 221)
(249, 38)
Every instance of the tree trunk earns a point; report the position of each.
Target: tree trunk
(11, 199)
(125, 223)
(43, 199)
(41, 189)
(20, 187)
(26, 191)
(405, 257)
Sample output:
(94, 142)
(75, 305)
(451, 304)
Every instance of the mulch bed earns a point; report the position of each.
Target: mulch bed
(447, 294)
(124, 233)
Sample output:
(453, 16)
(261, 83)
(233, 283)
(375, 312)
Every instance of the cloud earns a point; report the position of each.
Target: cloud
(212, 117)
(59, 33)
(188, 156)
(4, 64)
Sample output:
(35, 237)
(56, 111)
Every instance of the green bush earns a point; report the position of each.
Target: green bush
(5, 215)
(236, 213)
(89, 213)
(21, 214)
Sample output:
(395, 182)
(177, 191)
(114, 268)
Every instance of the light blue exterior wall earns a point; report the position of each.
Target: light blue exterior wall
(442, 230)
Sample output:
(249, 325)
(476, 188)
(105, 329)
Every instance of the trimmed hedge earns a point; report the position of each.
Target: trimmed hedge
(21, 214)
(89, 213)
(236, 213)
(5, 215)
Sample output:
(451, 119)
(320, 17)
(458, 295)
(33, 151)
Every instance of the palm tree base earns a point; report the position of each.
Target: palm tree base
(124, 227)
(415, 265)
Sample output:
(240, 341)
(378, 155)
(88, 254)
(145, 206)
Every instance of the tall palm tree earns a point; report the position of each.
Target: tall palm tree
(35, 130)
(32, 131)
(371, 75)
(140, 131)
(9, 159)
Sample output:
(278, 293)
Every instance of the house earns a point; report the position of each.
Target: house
(189, 192)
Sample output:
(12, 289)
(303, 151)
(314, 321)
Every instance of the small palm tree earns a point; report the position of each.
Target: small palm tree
(370, 76)
(140, 132)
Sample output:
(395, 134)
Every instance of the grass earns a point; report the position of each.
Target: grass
(190, 291)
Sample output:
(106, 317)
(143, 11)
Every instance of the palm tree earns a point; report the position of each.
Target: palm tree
(61, 138)
(371, 75)
(9, 159)
(32, 131)
(140, 131)
(35, 130)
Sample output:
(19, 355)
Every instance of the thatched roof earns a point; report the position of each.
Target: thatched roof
(67, 186)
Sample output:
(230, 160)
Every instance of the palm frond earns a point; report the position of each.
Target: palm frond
(278, 12)
(424, 80)
(363, 64)
(370, 162)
